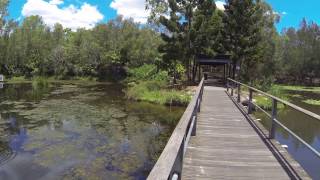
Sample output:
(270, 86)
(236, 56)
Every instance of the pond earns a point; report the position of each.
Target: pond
(304, 126)
(79, 131)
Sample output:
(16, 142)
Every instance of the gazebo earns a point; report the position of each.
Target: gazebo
(220, 60)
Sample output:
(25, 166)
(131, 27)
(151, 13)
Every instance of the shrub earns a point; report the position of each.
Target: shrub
(147, 72)
(264, 84)
(18, 79)
(144, 72)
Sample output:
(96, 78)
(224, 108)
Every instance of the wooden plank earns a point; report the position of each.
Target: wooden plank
(226, 145)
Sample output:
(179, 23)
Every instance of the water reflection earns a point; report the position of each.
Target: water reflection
(6, 152)
(80, 131)
(304, 126)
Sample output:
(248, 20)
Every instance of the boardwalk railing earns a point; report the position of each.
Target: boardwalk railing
(232, 84)
(169, 164)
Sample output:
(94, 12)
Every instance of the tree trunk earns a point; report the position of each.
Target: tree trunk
(234, 71)
(194, 71)
(188, 70)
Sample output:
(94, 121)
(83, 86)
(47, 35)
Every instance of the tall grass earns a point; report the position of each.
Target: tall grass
(156, 92)
(266, 102)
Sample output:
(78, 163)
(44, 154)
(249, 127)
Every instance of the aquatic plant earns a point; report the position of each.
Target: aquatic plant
(298, 88)
(266, 102)
(155, 92)
(39, 82)
(312, 102)
(81, 132)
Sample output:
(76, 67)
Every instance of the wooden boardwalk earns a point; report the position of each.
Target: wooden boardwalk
(226, 145)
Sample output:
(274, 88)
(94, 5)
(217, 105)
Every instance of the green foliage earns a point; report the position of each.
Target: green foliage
(299, 88)
(265, 84)
(39, 82)
(34, 49)
(88, 78)
(266, 103)
(298, 54)
(154, 92)
(144, 72)
(179, 31)
(263, 102)
(312, 102)
(17, 79)
(151, 86)
(147, 72)
(243, 33)
(192, 28)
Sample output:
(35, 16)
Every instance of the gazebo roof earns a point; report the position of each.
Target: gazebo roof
(217, 60)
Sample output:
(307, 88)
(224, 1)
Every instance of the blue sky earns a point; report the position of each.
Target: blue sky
(294, 10)
(88, 12)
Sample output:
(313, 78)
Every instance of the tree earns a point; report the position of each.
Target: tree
(191, 29)
(243, 34)
(263, 70)
(6, 27)
(206, 32)
(173, 50)
(299, 53)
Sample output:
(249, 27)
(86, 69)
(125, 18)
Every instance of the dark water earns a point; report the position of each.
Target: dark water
(70, 131)
(304, 126)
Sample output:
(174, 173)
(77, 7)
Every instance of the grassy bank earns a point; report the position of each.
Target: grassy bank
(312, 102)
(147, 83)
(280, 91)
(151, 91)
(266, 102)
(42, 79)
(298, 88)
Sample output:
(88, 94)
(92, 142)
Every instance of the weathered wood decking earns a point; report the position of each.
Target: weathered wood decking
(226, 145)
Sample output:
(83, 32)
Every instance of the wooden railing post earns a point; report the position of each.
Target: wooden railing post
(239, 86)
(198, 108)
(228, 85)
(274, 116)
(250, 101)
(232, 88)
(200, 97)
(194, 129)
(196, 111)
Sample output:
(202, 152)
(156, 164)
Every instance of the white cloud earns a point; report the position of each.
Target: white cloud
(283, 13)
(220, 5)
(131, 9)
(56, 2)
(85, 16)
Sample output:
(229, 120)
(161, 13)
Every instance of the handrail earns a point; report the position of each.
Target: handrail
(273, 116)
(311, 114)
(169, 164)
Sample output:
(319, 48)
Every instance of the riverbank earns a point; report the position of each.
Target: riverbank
(144, 84)
(155, 92)
(149, 83)
(282, 91)
(73, 80)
